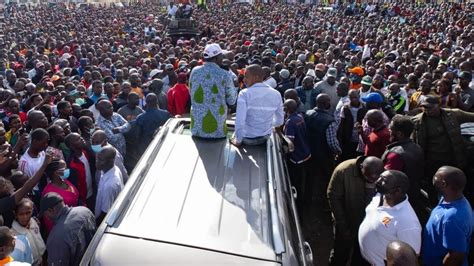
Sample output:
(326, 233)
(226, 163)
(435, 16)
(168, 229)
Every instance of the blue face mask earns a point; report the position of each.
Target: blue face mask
(96, 148)
(66, 174)
(91, 131)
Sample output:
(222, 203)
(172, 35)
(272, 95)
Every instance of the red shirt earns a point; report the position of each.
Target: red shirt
(376, 142)
(178, 99)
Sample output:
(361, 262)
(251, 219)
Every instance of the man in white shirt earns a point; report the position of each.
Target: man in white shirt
(269, 80)
(389, 217)
(259, 108)
(110, 183)
(32, 160)
(99, 141)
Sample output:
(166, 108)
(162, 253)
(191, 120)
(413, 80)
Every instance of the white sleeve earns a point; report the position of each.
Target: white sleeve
(411, 236)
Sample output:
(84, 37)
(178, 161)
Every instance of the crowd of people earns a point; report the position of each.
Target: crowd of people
(370, 99)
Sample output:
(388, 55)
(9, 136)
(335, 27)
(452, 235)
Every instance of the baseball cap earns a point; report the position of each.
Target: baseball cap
(367, 80)
(155, 72)
(357, 70)
(390, 64)
(332, 72)
(49, 200)
(430, 101)
(39, 64)
(284, 73)
(320, 67)
(212, 50)
(169, 67)
(373, 97)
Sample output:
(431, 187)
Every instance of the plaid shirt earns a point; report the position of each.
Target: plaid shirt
(331, 138)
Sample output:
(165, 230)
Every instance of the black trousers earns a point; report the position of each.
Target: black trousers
(300, 179)
(320, 171)
(345, 250)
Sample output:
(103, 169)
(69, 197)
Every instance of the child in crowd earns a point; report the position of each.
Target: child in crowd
(28, 226)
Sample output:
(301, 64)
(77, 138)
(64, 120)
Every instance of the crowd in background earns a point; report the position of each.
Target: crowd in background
(371, 97)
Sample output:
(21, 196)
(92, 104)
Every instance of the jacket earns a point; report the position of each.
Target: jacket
(317, 121)
(78, 174)
(302, 96)
(346, 195)
(412, 156)
(451, 119)
(346, 125)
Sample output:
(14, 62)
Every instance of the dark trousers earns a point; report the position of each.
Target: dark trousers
(349, 151)
(343, 249)
(320, 171)
(299, 177)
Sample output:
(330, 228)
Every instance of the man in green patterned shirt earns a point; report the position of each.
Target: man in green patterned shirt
(212, 90)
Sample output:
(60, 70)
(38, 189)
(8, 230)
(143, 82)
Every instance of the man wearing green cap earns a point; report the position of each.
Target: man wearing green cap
(366, 86)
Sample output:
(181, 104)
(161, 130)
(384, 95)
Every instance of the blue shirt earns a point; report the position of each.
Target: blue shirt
(259, 107)
(212, 89)
(449, 228)
(149, 122)
(22, 251)
(107, 125)
(295, 129)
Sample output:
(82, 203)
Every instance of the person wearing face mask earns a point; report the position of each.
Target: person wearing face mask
(350, 189)
(447, 234)
(74, 228)
(389, 217)
(98, 141)
(58, 174)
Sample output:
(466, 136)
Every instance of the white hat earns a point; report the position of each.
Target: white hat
(155, 72)
(284, 73)
(212, 50)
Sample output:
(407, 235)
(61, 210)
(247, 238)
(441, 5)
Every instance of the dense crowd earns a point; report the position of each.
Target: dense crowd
(370, 100)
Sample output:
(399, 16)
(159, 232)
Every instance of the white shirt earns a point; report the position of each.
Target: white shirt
(259, 108)
(110, 185)
(383, 225)
(88, 175)
(29, 165)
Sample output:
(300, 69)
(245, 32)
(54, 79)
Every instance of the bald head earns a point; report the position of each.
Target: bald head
(371, 168)
(397, 179)
(323, 101)
(99, 137)
(401, 254)
(106, 158)
(454, 177)
(375, 118)
(291, 94)
(290, 106)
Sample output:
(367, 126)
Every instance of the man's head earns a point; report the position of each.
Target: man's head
(106, 158)
(354, 98)
(64, 108)
(431, 106)
(253, 74)
(331, 76)
(464, 79)
(371, 168)
(51, 205)
(106, 109)
(56, 133)
(292, 94)
(342, 89)
(85, 125)
(393, 185)
(133, 99)
(39, 139)
(74, 142)
(375, 118)
(37, 119)
(373, 100)
(401, 254)
(7, 242)
(308, 83)
(400, 128)
(14, 106)
(323, 101)
(213, 53)
(98, 140)
(151, 101)
(449, 181)
(290, 106)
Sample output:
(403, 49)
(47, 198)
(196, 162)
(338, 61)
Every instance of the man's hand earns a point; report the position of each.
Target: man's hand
(359, 128)
(115, 130)
(234, 142)
(23, 140)
(48, 159)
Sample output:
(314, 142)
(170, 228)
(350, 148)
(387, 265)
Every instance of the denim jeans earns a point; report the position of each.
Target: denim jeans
(255, 141)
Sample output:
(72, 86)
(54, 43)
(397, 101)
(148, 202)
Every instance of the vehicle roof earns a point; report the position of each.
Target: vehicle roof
(204, 193)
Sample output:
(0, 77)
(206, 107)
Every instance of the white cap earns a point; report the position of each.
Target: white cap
(212, 50)
(155, 72)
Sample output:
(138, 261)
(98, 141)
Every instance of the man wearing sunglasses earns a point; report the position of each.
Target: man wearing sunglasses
(389, 217)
